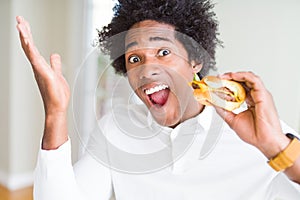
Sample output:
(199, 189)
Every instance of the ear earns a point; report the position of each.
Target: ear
(196, 67)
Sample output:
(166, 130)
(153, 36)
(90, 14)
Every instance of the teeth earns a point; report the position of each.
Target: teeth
(156, 89)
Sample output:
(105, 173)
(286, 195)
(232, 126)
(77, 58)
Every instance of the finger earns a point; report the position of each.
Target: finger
(226, 115)
(32, 53)
(24, 28)
(26, 23)
(258, 93)
(250, 102)
(23, 34)
(55, 62)
(34, 56)
(249, 78)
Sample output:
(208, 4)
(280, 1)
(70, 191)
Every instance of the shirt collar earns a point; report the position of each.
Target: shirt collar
(204, 119)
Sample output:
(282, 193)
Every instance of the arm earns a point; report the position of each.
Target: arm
(55, 177)
(259, 125)
(53, 88)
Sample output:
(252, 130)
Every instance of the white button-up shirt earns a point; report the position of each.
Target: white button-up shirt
(129, 156)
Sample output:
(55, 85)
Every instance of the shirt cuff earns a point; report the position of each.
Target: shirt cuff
(54, 161)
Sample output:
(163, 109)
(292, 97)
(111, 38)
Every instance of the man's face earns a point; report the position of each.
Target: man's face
(158, 70)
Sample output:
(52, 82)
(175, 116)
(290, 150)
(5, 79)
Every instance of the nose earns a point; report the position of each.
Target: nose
(148, 71)
(150, 67)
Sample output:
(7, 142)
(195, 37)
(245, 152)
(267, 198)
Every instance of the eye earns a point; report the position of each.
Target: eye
(164, 52)
(134, 59)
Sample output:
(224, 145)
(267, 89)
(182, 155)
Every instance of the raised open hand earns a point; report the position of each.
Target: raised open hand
(52, 85)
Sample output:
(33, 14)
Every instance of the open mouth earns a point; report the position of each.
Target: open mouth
(158, 95)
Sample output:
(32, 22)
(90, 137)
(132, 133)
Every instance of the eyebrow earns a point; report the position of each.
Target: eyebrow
(150, 39)
(160, 39)
(130, 45)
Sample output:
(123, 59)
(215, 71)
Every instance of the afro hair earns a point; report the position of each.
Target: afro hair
(194, 19)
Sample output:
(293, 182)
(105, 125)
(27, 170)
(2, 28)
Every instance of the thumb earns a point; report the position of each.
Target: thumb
(228, 116)
(55, 62)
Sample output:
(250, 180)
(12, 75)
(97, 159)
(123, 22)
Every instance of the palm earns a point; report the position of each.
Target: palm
(52, 85)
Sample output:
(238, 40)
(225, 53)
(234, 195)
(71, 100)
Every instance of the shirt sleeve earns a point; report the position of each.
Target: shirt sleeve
(56, 178)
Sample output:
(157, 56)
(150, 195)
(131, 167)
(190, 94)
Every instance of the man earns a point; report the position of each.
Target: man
(140, 155)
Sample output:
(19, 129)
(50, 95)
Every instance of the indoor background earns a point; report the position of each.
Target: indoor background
(260, 36)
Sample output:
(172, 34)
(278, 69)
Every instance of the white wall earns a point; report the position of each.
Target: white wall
(263, 37)
(4, 88)
(57, 26)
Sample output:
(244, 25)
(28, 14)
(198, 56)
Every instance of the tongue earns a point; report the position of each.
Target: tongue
(160, 97)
